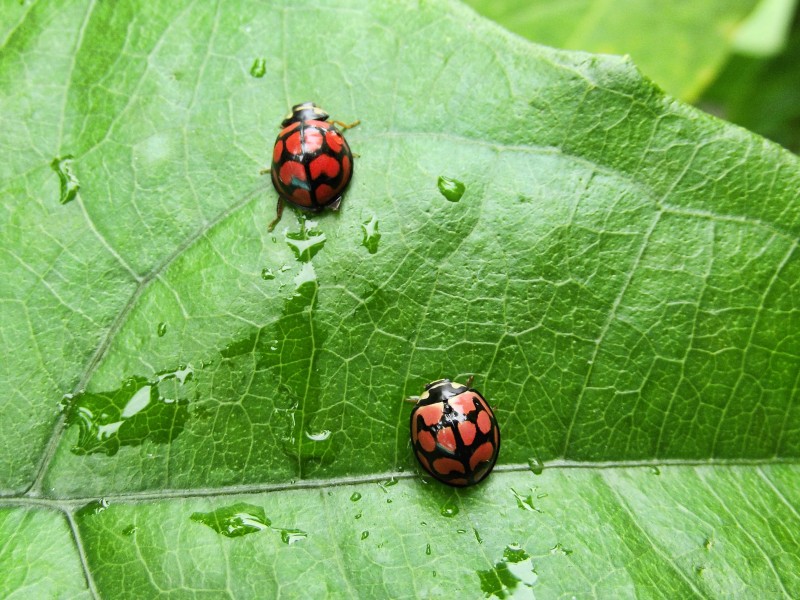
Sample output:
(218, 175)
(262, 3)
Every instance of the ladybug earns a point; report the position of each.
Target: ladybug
(454, 433)
(311, 161)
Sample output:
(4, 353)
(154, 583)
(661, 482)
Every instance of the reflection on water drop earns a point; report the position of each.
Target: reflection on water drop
(259, 68)
(536, 465)
(452, 189)
(371, 235)
(68, 181)
(291, 536)
(234, 521)
(355, 497)
(504, 579)
(162, 329)
(525, 502)
(318, 437)
(307, 242)
(94, 507)
(141, 409)
(559, 549)
(449, 510)
(267, 274)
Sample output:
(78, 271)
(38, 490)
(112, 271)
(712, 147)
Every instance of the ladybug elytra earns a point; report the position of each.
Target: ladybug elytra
(311, 161)
(454, 433)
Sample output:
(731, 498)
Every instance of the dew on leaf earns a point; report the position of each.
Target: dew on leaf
(92, 508)
(371, 235)
(655, 470)
(525, 502)
(358, 516)
(68, 181)
(161, 330)
(292, 536)
(449, 510)
(364, 535)
(141, 409)
(428, 549)
(355, 497)
(130, 530)
(515, 569)
(307, 242)
(559, 549)
(536, 465)
(267, 274)
(234, 521)
(451, 189)
(259, 68)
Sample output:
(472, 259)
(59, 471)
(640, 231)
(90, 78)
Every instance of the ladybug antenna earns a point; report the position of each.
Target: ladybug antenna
(470, 380)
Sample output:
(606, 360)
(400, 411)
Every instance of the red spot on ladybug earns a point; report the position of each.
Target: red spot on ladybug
(294, 143)
(292, 170)
(334, 141)
(277, 151)
(463, 403)
(312, 140)
(431, 414)
(301, 197)
(484, 422)
(447, 465)
(324, 165)
(308, 139)
(426, 441)
(483, 453)
(446, 439)
(465, 432)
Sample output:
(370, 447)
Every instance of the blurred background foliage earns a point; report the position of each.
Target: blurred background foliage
(737, 59)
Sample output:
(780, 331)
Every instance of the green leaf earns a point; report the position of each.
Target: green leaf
(619, 271)
(680, 45)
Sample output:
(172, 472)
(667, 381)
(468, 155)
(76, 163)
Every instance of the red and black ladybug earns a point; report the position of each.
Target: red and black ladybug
(454, 433)
(311, 161)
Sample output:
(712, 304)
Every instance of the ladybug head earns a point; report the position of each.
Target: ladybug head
(435, 384)
(306, 111)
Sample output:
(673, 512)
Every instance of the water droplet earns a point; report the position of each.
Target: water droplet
(536, 465)
(655, 470)
(371, 235)
(428, 549)
(69, 182)
(389, 501)
(449, 510)
(477, 536)
(139, 410)
(388, 483)
(559, 549)
(355, 497)
(364, 535)
(307, 242)
(516, 568)
(699, 570)
(130, 530)
(709, 543)
(259, 68)
(452, 189)
(234, 521)
(267, 274)
(94, 507)
(461, 531)
(162, 329)
(291, 536)
(525, 502)
(358, 516)
(318, 437)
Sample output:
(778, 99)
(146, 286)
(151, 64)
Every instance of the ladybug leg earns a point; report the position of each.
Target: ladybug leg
(278, 215)
(412, 399)
(345, 126)
(265, 171)
(335, 204)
